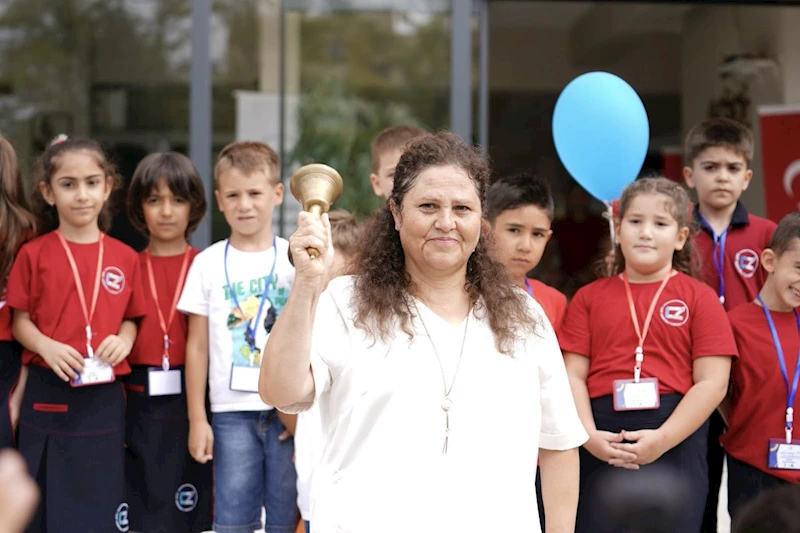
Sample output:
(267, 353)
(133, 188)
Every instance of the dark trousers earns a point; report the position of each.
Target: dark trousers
(746, 482)
(716, 459)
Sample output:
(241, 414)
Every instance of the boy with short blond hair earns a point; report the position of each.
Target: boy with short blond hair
(233, 294)
(718, 154)
(387, 148)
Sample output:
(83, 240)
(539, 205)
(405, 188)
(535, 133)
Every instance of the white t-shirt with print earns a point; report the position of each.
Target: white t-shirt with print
(207, 293)
(381, 410)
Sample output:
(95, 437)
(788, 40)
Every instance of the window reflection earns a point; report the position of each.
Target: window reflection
(351, 69)
(116, 71)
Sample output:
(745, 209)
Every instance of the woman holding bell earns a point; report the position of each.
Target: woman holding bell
(439, 382)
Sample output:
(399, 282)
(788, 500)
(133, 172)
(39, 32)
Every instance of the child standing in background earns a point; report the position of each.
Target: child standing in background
(654, 323)
(386, 151)
(234, 292)
(718, 154)
(76, 294)
(17, 225)
(168, 492)
(520, 211)
(309, 438)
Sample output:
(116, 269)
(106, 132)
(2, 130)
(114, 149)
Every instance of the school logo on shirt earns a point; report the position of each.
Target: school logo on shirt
(746, 262)
(113, 279)
(186, 498)
(121, 518)
(675, 313)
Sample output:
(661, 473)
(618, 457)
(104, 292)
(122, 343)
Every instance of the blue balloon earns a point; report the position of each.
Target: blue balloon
(601, 133)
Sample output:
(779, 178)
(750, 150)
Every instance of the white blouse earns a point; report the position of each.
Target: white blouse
(383, 469)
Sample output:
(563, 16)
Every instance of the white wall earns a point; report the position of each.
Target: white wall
(712, 33)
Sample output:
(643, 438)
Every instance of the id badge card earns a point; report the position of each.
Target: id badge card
(784, 455)
(162, 382)
(632, 396)
(245, 378)
(95, 372)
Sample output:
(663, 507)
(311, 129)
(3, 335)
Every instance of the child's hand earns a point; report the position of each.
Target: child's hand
(62, 358)
(289, 423)
(601, 445)
(201, 441)
(113, 350)
(647, 444)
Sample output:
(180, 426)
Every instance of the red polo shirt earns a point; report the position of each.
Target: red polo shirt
(688, 322)
(757, 390)
(552, 301)
(747, 237)
(42, 283)
(5, 319)
(149, 344)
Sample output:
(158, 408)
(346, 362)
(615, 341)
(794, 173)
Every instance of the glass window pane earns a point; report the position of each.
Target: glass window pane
(116, 71)
(361, 67)
(351, 68)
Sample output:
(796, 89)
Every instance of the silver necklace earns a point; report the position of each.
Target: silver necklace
(447, 403)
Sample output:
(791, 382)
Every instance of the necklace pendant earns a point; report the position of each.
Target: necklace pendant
(446, 404)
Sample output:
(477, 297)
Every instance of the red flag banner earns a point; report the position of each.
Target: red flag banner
(780, 158)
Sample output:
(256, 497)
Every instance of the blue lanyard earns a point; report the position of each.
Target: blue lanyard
(528, 287)
(791, 391)
(250, 335)
(719, 256)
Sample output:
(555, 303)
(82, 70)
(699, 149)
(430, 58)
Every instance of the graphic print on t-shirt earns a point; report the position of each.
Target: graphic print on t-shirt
(249, 295)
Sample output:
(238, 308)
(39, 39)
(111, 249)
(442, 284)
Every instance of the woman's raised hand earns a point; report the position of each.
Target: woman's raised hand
(312, 236)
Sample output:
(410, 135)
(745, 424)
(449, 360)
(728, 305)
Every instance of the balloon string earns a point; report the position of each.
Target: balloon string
(610, 217)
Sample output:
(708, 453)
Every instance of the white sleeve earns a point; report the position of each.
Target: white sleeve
(562, 429)
(195, 295)
(330, 348)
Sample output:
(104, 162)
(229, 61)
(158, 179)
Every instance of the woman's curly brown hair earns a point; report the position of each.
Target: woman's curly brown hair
(382, 286)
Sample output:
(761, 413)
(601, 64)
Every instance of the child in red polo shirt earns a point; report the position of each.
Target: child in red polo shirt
(168, 491)
(16, 226)
(648, 351)
(520, 211)
(762, 449)
(75, 293)
(718, 156)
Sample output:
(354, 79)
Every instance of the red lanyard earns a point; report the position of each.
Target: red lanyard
(88, 313)
(642, 333)
(167, 324)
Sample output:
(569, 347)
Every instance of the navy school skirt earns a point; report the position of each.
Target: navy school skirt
(72, 440)
(667, 496)
(168, 491)
(10, 365)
